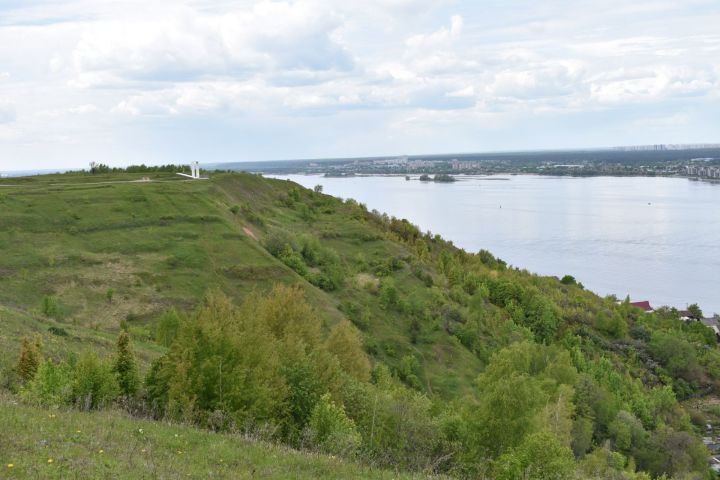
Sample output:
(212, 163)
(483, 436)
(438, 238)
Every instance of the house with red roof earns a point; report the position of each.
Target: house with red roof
(644, 305)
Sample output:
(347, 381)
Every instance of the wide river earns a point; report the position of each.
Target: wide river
(655, 239)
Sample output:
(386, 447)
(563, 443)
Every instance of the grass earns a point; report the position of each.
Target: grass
(166, 242)
(66, 444)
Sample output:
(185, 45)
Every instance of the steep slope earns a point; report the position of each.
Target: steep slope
(85, 256)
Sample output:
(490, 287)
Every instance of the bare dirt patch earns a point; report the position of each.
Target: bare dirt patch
(249, 233)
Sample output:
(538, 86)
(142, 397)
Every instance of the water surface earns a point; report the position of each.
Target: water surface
(655, 239)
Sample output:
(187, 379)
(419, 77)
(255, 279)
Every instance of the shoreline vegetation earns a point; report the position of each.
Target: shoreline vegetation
(249, 306)
(438, 178)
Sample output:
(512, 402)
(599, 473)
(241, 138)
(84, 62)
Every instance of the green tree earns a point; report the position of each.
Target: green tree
(695, 311)
(331, 431)
(541, 455)
(167, 327)
(94, 383)
(345, 343)
(529, 384)
(222, 359)
(51, 386)
(125, 367)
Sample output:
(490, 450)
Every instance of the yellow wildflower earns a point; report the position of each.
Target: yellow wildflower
(50, 460)
(101, 451)
(10, 465)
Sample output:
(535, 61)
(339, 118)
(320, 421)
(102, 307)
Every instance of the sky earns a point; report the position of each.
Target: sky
(172, 81)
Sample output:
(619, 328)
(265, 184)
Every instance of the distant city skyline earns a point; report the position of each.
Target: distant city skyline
(213, 164)
(130, 82)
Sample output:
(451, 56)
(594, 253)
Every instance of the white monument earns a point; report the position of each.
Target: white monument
(194, 172)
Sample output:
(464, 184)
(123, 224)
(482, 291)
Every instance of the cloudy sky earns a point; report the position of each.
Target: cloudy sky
(169, 81)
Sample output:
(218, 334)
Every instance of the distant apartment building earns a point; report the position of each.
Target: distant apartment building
(420, 164)
(703, 171)
(456, 164)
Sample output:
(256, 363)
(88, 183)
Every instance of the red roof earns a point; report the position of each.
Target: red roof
(645, 305)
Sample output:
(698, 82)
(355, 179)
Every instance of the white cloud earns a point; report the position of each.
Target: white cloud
(314, 72)
(185, 45)
(7, 113)
(441, 37)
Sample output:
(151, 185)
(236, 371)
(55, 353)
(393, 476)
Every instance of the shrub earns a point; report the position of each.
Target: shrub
(331, 431)
(345, 343)
(408, 370)
(278, 241)
(30, 358)
(125, 367)
(59, 331)
(293, 260)
(167, 327)
(51, 386)
(389, 296)
(49, 306)
(223, 359)
(541, 455)
(94, 383)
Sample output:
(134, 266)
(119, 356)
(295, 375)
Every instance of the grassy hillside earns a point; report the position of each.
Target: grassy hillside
(489, 361)
(63, 444)
(166, 242)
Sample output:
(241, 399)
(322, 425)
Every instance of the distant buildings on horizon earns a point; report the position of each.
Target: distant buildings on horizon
(661, 147)
(703, 171)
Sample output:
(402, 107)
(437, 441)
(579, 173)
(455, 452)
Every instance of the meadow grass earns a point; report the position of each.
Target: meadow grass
(65, 444)
(166, 242)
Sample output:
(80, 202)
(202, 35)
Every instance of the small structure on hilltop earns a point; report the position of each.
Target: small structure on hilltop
(194, 172)
(713, 323)
(644, 305)
(687, 315)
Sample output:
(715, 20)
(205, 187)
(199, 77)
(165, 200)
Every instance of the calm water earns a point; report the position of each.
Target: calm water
(655, 239)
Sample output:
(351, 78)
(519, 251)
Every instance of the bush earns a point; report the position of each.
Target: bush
(94, 383)
(408, 370)
(167, 327)
(293, 260)
(50, 306)
(278, 241)
(30, 358)
(389, 296)
(346, 344)
(541, 455)
(330, 430)
(125, 367)
(51, 386)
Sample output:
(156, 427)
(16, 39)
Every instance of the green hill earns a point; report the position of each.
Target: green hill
(508, 372)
